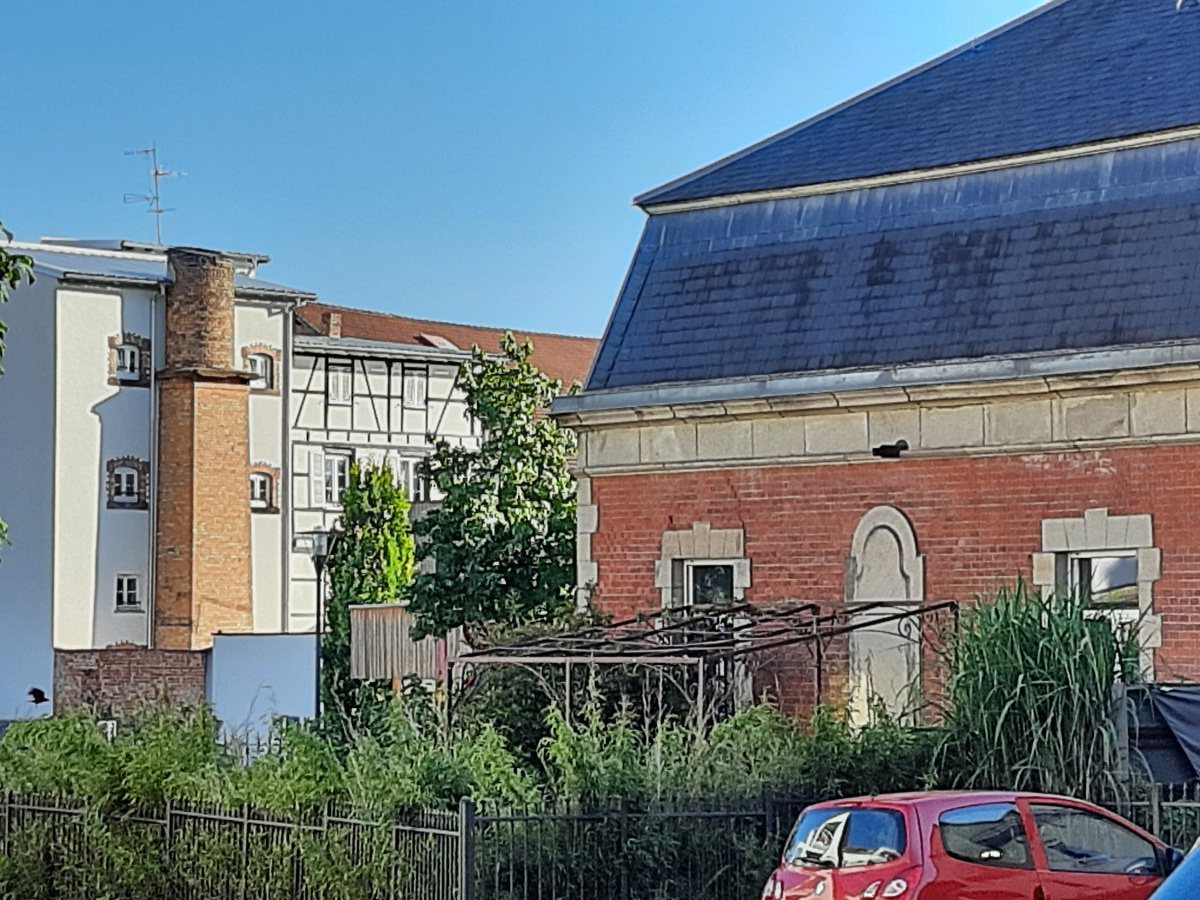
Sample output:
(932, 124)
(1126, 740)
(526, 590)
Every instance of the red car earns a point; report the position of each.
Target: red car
(967, 846)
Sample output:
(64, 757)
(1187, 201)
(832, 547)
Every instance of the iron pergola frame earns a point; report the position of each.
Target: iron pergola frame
(696, 636)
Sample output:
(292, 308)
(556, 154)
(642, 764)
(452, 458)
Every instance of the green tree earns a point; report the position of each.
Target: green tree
(372, 562)
(503, 538)
(14, 268)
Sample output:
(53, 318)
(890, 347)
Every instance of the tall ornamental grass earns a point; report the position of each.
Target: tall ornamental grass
(1030, 697)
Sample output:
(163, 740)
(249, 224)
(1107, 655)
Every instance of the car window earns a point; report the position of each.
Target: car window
(1076, 840)
(841, 838)
(989, 835)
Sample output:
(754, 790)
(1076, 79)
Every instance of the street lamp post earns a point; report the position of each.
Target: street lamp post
(320, 547)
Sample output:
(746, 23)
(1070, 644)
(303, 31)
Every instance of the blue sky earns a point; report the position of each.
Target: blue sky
(465, 162)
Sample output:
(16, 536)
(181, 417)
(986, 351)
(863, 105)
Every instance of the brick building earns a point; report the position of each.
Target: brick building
(941, 336)
(172, 425)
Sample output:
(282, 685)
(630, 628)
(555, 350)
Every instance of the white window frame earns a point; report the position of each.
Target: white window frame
(260, 499)
(127, 585)
(689, 586)
(341, 384)
(127, 362)
(262, 366)
(416, 388)
(126, 485)
(336, 468)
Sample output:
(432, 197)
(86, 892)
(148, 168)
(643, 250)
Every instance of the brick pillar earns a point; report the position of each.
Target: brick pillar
(202, 579)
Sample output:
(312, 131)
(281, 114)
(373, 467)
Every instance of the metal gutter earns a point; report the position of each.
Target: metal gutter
(891, 379)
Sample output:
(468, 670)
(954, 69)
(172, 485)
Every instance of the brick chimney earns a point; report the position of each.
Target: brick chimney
(202, 576)
(332, 323)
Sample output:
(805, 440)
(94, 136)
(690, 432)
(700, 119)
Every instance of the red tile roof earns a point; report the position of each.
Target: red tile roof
(559, 356)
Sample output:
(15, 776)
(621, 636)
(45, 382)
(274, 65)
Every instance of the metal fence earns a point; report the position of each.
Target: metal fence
(62, 849)
(57, 848)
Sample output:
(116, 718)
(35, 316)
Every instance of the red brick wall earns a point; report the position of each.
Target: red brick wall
(199, 310)
(202, 578)
(119, 681)
(977, 520)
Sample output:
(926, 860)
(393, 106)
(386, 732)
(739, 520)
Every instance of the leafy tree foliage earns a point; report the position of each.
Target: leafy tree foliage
(14, 268)
(372, 562)
(503, 539)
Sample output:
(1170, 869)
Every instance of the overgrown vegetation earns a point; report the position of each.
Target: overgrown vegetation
(503, 536)
(372, 562)
(1030, 697)
(1028, 705)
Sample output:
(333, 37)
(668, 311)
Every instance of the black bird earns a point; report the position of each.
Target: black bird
(38, 696)
(891, 451)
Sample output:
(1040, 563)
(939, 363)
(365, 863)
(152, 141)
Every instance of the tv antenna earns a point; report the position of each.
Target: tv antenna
(154, 207)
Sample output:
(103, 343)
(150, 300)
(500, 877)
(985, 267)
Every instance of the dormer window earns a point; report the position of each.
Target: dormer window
(128, 360)
(127, 488)
(263, 369)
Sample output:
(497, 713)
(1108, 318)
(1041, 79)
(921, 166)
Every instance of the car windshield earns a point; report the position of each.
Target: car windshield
(836, 838)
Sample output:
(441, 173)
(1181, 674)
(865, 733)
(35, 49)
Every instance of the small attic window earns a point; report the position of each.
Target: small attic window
(436, 340)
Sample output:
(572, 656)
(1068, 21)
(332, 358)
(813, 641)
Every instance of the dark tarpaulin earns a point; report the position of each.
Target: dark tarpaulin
(1179, 708)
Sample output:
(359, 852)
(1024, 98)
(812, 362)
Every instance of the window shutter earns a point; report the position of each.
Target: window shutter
(316, 478)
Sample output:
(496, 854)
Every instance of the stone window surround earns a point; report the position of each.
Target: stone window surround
(702, 542)
(272, 473)
(891, 519)
(142, 345)
(1096, 531)
(276, 357)
(142, 468)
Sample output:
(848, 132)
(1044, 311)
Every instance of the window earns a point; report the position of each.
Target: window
(415, 388)
(988, 835)
(128, 360)
(1113, 563)
(1077, 840)
(421, 492)
(847, 838)
(260, 490)
(128, 597)
(262, 367)
(125, 485)
(337, 475)
(702, 582)
(128, 364)
(1107, 581)
(126, 480)
(340, 384)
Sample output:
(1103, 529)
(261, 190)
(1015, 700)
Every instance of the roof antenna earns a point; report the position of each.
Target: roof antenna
(154, 207)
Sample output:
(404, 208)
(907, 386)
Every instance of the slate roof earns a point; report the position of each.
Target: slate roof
(1071, 72)
(1095, 252)
(560, 356)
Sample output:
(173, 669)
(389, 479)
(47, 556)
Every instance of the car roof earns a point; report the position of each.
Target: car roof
(948, 799)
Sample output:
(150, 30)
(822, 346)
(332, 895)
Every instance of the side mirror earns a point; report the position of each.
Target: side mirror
(1168, 859)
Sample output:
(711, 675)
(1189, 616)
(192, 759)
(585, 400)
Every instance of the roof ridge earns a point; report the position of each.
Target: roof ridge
(647, 197)
(392, 315)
